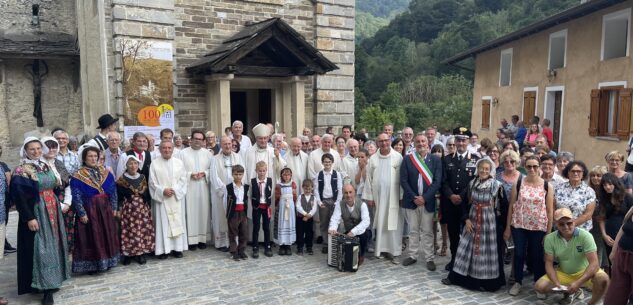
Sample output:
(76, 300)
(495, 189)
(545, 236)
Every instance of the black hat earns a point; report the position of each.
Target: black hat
(462, 132)
(106, 120)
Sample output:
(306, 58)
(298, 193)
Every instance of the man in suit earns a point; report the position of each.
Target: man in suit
(139, 149)
(420, 178)
(459, 169)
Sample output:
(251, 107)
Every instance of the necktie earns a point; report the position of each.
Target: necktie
(140, 156)
(459, 158)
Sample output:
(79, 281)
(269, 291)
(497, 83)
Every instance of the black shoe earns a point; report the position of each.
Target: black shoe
(235, 257)
(268, 251)
(224, 249)
(162, 256)
(299, 251)
(324, 250)
(48, 298)
(281, 251)
(177, 254)
(126, 260)
(446, 281)
(409, 261)
(202, 246)
(193, 247)
(255, 253)
(310, 252)
(8, 248)
(319, 240)
(448, 267)
(141, 259)
(242, 255)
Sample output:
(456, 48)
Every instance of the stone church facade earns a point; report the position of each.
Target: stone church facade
(289, 62)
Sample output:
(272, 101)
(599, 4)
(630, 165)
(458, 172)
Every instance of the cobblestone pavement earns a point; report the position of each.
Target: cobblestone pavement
(210, 277)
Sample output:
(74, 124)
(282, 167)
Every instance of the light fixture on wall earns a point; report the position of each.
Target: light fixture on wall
(551, 74)
(495, 101)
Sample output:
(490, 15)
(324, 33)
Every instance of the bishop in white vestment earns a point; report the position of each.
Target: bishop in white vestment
(222, 167)
(383, 188)
(168, 186)
(197, 161)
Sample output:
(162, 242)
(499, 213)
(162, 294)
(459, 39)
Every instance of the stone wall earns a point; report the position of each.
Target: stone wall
(202, 25)
(60, 100)
(61, 93)
(54, 16)
(335, 38)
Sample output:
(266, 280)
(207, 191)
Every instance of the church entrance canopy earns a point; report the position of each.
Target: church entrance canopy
(264, 64)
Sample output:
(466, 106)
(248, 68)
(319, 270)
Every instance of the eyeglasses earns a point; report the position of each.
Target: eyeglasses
(565, 224)
(615, 161)
(531, 166)
(305, 142)
(509, 161)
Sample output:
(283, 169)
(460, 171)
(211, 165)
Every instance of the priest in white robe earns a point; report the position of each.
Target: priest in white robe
(197, 161)
(168, 186)
(262, 152)
(349, 165)
(222, 166)
(314, 163)
(297, 161)
(382, 188)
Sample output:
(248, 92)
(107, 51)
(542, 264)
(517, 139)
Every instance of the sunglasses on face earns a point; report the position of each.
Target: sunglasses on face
(531, 166)
(565, 224)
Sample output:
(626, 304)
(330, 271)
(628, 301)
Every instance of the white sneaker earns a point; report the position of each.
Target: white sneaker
(515, 290)
(541, 296)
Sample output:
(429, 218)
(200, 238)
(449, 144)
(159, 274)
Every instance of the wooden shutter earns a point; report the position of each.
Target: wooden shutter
(594, 112)
(624, 114)
(485, 114)
(529, 106)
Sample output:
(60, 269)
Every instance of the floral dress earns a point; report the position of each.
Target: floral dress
(137, 230)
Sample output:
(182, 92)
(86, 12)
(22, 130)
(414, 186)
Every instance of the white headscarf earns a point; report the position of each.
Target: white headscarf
(487, 159)
(80, 151)
(126, 160)
(24, 159)
(51, 163)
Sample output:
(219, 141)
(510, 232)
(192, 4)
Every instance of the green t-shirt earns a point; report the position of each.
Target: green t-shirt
(571, 255)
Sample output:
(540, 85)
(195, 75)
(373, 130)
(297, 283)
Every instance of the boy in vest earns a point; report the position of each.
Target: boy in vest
(236, 199)
(261, 200)
(306, 209)
(328, 193)
(351, 217)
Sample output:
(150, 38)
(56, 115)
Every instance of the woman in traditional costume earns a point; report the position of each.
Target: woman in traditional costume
(42, 247)
(479, 260)
(94, 194)
(137, 229)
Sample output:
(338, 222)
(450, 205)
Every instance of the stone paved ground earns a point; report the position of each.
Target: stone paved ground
(209, 277)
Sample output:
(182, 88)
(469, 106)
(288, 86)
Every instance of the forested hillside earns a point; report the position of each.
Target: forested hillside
(399, 77)
(371, 15)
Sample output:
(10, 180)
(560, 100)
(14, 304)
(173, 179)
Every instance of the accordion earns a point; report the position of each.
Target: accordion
(343, 252)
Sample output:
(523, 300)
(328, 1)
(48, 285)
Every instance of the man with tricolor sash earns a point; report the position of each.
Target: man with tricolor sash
(420, 178)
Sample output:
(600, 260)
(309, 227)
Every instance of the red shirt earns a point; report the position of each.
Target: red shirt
(549, 134)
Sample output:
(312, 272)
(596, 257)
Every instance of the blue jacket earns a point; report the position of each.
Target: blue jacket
(409, 176)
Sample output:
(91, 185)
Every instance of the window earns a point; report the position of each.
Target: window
(505, 73)
(557, 48)
(615, 34)
(485, 112)
(610, 113)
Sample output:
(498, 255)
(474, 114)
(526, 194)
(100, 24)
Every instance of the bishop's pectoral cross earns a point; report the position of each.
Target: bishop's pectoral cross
(37, 75)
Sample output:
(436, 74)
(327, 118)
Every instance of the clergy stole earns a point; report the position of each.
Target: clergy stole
(167, 174)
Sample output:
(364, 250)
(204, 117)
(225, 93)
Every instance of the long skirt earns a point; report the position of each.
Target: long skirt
(137, 230)
(69, 221)
(479, 263)
(97, 245)
(284, 228)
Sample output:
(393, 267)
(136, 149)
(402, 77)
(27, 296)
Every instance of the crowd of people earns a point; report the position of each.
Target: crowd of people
(510, 200)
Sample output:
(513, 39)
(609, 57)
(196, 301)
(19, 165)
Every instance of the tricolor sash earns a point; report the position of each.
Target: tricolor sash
(419, 163)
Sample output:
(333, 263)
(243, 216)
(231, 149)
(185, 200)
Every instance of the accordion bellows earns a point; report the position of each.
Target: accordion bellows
(343, 253)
